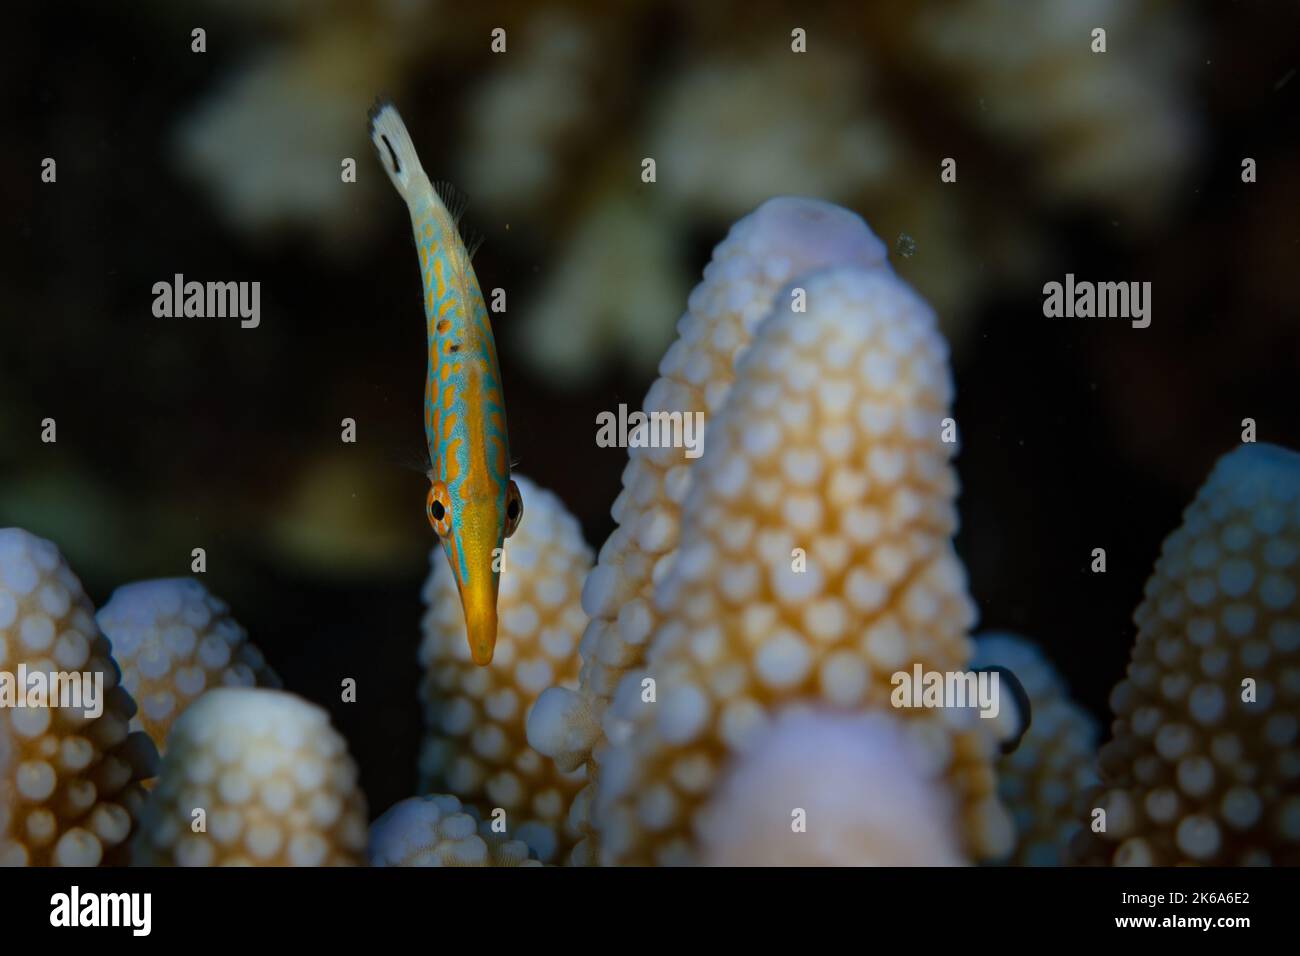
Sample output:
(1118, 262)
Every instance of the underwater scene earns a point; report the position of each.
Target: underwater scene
(650, 434)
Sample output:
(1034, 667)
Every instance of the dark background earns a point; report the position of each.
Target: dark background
(175, 433)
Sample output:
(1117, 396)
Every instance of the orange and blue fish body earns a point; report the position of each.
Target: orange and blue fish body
(472, 503)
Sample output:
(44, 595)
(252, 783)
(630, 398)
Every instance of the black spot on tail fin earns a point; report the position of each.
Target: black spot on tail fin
(392, 154)
(380, 135)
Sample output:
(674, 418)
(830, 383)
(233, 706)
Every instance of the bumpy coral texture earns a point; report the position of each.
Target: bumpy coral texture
(435, 830)
(815, 561)
(783, 238)
(821, 788)
(1197, 771)
(69, 790)
(272, 777)
(477, 746)
(6, 799)
(173, 640)
(1045, 780)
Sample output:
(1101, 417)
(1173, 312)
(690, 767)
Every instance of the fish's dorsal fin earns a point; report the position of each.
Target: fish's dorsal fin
(452, 198)
(472, 239)
(456, 202)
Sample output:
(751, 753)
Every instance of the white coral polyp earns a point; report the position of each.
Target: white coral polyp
(254, 777)
(173, 641)
(827, 788)
(1205, 757)
(477, 745)
(69, 782)
(436, 830)
(765, 603)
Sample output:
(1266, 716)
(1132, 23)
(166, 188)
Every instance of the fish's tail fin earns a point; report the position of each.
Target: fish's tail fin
(396, 151)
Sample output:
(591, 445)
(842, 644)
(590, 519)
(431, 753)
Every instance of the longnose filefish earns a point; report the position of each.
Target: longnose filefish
(472, 504)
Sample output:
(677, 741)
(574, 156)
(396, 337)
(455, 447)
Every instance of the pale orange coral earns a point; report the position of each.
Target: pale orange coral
(783, 238)
(69, 786)
(1043, 782)
(476, 745)
(173, 640)
(253, 777)
(1205, 758)
(814, 561)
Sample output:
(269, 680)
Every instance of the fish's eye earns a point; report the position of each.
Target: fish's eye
(514, 508)
(437, 507)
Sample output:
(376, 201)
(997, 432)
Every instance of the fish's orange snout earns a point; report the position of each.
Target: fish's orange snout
(481, 628)
(479, 602)
(472, 553)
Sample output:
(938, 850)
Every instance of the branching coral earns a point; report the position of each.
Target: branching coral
(476, 744)
(1112, 127)
(173, 640)
(1044, 780)
(725, 135)
(831, 789)
(815, 561)
(737, 127)
(295, 109)
(1203, 766)
(69, 792)
(526, 116)
(253, 777)
(436, 831)
(615, 290)
(730, 113)
(811, 560)
(783, 238)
